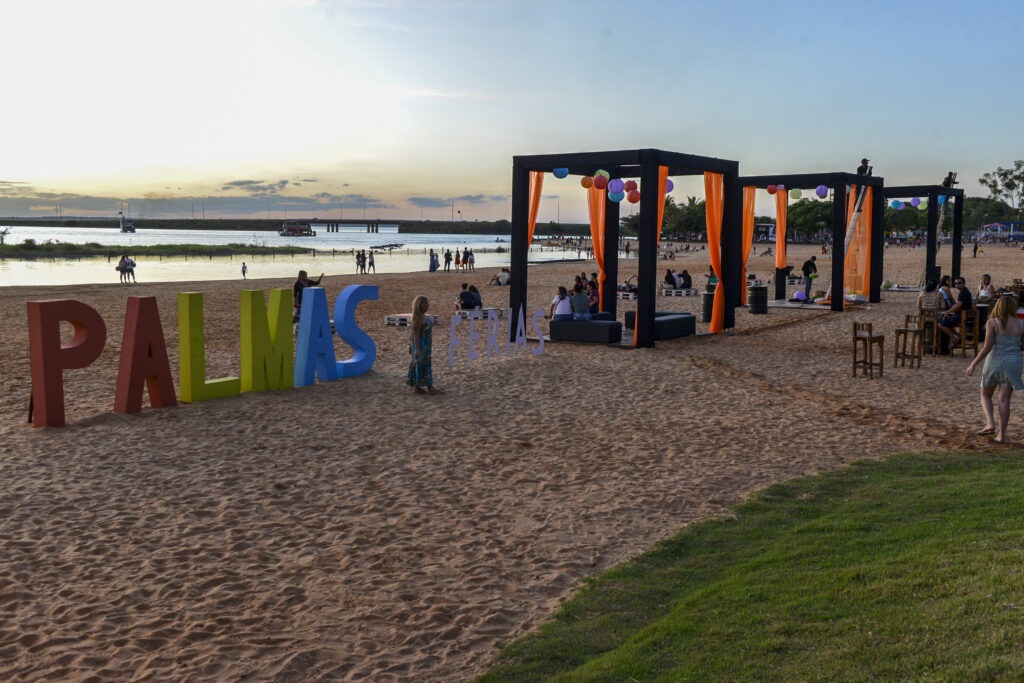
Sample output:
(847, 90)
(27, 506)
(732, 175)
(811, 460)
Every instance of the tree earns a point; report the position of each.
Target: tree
(1006, 184)
(806, 217)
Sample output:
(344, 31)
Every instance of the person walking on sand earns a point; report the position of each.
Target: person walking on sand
(370, 264)
(421, 376)
(1003, 366)
(245, 270)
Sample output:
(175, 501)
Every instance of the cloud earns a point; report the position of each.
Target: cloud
(429, 202)
(256, 187)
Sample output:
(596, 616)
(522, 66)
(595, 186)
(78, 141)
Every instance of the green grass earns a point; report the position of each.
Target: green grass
(906, 569)
(30, 249)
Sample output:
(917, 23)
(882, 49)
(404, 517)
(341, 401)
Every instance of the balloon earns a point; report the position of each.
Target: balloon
(780, 188)
(914, 202)
(615, 185)
(633, 196)
(821, 191)
(796, 193)
(630, 185)
(600, 182)
(897, 204)
(586, 181)
(942, 199)
(617, 196)
(560, 172)
(605, 174)
(669, 185)
(923, 205)
(772, 189)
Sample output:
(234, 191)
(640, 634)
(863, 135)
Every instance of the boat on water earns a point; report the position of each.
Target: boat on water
(388, 247)
(127, 224)
(294, 228)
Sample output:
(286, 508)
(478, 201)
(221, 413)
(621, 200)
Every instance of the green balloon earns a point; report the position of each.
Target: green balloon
(795, 193)
(923, 205)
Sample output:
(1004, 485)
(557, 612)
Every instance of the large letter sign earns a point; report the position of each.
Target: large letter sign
(144, 361)
(192, 354)
(49, 357)
(365, 349)
(267, 361)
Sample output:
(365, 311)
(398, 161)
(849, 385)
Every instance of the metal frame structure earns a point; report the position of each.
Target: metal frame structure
(932, 192)
(839, 182)
(642, 164)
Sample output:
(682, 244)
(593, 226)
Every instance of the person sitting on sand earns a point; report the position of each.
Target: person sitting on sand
(465, 299)
(561, 306)
(685, 281)
(580, 303)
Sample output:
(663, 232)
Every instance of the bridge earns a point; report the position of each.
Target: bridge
(334, 224)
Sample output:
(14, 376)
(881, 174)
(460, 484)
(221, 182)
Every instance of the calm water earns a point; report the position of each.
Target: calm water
(333, 254)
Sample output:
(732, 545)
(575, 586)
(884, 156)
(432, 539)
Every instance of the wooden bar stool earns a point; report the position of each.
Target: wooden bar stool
(865, 341)
(968, 332)
(911, 333)
(930, 323)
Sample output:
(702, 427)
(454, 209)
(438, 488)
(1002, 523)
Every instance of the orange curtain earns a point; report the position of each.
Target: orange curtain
(596, 204)
(857, 260)
(781, 209)
(714, 198)
(536, 185)
(748, 236)
(662, 183)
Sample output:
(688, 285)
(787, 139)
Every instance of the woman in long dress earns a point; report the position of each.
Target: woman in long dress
(1003, 366)
(421, 376)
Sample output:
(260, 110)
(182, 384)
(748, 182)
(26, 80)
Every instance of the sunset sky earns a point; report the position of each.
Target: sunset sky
(415, 108)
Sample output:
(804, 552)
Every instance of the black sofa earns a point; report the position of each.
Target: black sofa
(667, 324)
(600, 329)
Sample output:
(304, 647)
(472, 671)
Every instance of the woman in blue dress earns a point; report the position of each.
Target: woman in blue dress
(421, 376)
(1003, 366)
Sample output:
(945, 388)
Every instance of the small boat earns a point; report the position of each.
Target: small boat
(127, 224)
(294, 228)
(388, 247)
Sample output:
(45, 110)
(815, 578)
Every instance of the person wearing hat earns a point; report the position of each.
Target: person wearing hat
(864, 169)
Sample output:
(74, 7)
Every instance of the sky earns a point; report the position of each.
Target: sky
(415, 108)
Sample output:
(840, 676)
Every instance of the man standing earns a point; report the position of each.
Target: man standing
(245, 270)
(447, 260)
(297, 288)
(808, 268)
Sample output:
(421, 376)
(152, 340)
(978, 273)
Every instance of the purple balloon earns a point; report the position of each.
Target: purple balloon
(615, 185)
(821, 191)
(669, 185)
(915, 201)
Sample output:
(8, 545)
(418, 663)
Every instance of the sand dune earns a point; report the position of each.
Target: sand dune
(355, 531)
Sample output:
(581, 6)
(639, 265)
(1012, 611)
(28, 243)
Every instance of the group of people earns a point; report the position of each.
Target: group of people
(1000, 353)
(464, 261)
(364, 262)
(677, 280)
(126, 269)
(582, 303)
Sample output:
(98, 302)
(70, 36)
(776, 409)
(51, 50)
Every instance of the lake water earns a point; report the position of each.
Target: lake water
(330, 253)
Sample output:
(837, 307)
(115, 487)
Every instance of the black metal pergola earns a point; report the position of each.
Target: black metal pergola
(839, 182)
(642, 164)
(932, 193)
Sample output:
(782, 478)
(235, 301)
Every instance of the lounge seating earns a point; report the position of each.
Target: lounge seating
(667, 324)
(594, 330)
(679, 292)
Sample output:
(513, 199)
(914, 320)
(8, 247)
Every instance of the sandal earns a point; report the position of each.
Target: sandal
(986, 430)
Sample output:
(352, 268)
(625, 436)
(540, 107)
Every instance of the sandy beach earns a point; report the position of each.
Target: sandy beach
(353, 530)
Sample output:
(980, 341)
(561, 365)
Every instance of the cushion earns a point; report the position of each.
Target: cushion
(595, 331)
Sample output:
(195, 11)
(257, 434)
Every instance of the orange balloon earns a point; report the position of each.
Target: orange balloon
(586, 181)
